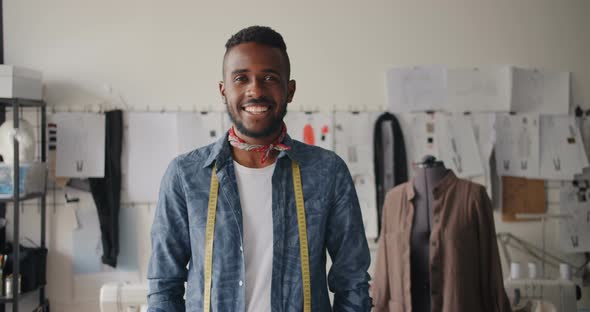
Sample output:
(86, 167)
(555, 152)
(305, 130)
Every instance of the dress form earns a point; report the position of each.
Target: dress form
(427, 175)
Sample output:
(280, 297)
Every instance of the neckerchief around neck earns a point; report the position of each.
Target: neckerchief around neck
(265, 150)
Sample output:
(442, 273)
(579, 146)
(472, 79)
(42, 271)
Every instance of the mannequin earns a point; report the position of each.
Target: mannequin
(437, 249)
(427, 175)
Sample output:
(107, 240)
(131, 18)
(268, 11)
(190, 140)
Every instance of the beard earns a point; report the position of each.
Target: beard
(274, 126)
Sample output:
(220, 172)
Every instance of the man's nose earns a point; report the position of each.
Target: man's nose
(255, 89)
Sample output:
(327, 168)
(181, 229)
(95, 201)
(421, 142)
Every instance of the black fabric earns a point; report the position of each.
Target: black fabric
(1, 35)
(2, 205)
(420, 254)
(106, 191)
(400, 165)
(33, 267)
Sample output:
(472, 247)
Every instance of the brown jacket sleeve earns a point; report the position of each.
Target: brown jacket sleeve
(492, 281)
(380, 287)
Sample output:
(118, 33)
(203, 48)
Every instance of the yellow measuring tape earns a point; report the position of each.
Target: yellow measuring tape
(303, 248)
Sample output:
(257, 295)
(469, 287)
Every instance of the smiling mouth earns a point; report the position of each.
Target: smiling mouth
(256, 109)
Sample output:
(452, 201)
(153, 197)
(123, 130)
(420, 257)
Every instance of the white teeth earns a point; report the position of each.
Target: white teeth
(256, 109)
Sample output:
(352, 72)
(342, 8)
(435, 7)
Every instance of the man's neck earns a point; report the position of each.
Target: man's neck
(253, 159)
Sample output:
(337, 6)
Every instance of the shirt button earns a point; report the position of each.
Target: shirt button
(240, 283)
(433, 243)
(436, 219)
(241, 249)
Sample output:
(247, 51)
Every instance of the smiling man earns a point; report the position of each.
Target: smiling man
(246, 221)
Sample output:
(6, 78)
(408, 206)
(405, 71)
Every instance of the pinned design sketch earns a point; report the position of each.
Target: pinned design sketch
(562, 150)
(575, 205)
(74, 157)
(489, 89)
(416, 89)
(540, 91)
(458, 146)
(353, 136)
(311, 128)
(479, 89)
(517, 147)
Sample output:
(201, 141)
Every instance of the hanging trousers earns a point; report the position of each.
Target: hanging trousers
(391, 167)
(3, 205)
(106, 191)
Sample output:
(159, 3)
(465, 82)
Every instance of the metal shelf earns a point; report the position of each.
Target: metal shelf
(16, 198)
(4, 299)
(8, 102)
(22, 198)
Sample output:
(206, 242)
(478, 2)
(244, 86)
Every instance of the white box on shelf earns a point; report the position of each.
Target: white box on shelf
(32, 179)
(20, 82)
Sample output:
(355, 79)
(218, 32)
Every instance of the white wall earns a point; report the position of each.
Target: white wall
(167, 55)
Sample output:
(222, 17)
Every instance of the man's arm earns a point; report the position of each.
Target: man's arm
(170, 246)
(347, 245)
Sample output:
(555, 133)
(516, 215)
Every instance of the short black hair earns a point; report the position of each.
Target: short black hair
(261, 35)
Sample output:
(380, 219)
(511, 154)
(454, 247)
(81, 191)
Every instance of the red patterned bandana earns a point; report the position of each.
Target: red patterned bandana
(265, 150)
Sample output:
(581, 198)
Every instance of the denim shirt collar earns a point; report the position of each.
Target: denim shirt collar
(221, 152)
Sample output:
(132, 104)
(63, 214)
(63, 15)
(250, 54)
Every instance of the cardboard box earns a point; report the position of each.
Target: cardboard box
(19, 82)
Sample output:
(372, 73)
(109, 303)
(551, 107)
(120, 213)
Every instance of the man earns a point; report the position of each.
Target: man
(251, 254)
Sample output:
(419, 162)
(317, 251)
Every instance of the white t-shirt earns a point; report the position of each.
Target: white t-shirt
(255, 189)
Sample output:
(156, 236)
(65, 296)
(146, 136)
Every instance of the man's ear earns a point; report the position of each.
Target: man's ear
(222, 92)
(291, 86)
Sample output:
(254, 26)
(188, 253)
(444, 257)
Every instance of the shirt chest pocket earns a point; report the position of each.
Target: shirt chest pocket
(315, 217)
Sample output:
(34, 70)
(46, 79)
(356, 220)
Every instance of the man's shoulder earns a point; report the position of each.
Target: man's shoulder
(313, 152)
(195, 157)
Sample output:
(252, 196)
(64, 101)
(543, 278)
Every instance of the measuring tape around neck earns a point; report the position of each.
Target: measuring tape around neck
(303, 248)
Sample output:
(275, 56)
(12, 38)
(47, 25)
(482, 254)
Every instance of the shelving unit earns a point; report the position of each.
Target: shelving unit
(16, 200)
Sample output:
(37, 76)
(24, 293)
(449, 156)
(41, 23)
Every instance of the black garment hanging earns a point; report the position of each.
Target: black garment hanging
(391, 167)
(2, 205)
(106, 191)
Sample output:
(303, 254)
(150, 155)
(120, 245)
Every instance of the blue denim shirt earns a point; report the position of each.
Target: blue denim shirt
(334, 223)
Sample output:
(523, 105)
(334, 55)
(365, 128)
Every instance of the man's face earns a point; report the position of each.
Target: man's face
(256, 89)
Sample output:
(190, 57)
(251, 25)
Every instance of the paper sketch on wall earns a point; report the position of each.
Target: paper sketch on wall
(129, 227)
(416, 89)
(585, 131)
(483, 130)
(479, 89)
(562, 149)
(424, 137)
(52, 177)
(457, 145)
(151, 143)
(364, 184)
(311, 128)
(173, 134)
(517, 145)
(575, 203)
(540, 91)
(353, 137)
(198, 129)
(225, 122)
(74, 156)
(86, 242)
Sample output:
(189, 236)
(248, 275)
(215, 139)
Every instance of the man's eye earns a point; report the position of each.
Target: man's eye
(271, 78)
(240, 78)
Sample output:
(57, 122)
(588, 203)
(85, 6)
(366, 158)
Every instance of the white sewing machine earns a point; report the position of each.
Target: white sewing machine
(542, 295)
(123, 297)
